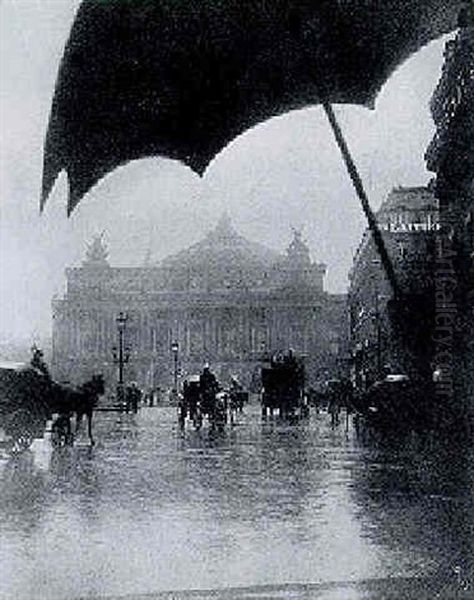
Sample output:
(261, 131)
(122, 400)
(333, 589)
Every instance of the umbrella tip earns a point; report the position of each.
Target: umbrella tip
(370, 104)
(50, 175)
(45, 191)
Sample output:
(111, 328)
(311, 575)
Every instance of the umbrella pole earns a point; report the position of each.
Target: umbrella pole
(359, 188)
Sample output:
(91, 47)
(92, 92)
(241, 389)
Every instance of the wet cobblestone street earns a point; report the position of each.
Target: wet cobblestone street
(263, 509)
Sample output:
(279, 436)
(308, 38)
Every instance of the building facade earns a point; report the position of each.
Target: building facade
(224, 300)
(451, 157)
(408, 220)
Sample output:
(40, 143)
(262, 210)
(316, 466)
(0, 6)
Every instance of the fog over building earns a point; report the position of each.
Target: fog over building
(225, 300)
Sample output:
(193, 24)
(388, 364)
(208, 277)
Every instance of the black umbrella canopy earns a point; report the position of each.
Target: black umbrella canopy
(181, 78)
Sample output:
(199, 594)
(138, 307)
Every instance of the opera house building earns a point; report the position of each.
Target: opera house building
(225, 301)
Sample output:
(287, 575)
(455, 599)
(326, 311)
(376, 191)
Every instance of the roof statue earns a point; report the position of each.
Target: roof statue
(298, 251)
(96, 253)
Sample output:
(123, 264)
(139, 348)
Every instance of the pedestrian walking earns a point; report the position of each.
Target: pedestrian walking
(133, 395)
(334, 408)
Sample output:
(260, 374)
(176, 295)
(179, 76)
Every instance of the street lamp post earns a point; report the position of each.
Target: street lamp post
(263, 350)
(122, 356)
(175, 350)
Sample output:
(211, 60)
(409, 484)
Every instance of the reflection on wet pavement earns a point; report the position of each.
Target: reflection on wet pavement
(268, 509)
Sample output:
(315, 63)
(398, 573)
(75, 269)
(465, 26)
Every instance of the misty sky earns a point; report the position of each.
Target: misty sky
(286, 172)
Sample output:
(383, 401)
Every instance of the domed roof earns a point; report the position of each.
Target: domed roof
(225, 260)
(223, 247)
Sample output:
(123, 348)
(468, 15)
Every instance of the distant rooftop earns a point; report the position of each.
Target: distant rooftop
(410, 198)
(223, 245)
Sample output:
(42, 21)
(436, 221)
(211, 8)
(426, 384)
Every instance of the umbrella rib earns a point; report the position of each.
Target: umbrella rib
(359, 188)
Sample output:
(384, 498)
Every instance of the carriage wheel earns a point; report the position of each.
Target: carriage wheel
(21, 443)
(21, 430)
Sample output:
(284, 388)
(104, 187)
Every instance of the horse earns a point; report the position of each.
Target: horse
(189, 402)
(66, 400)
(283, 387)
(213, 404)
(236, 400)
(202, 398)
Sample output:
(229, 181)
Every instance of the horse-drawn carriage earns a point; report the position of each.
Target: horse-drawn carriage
(203, 398)
(23, 405)
(29, 398)
(283, 387)
(396, 402)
